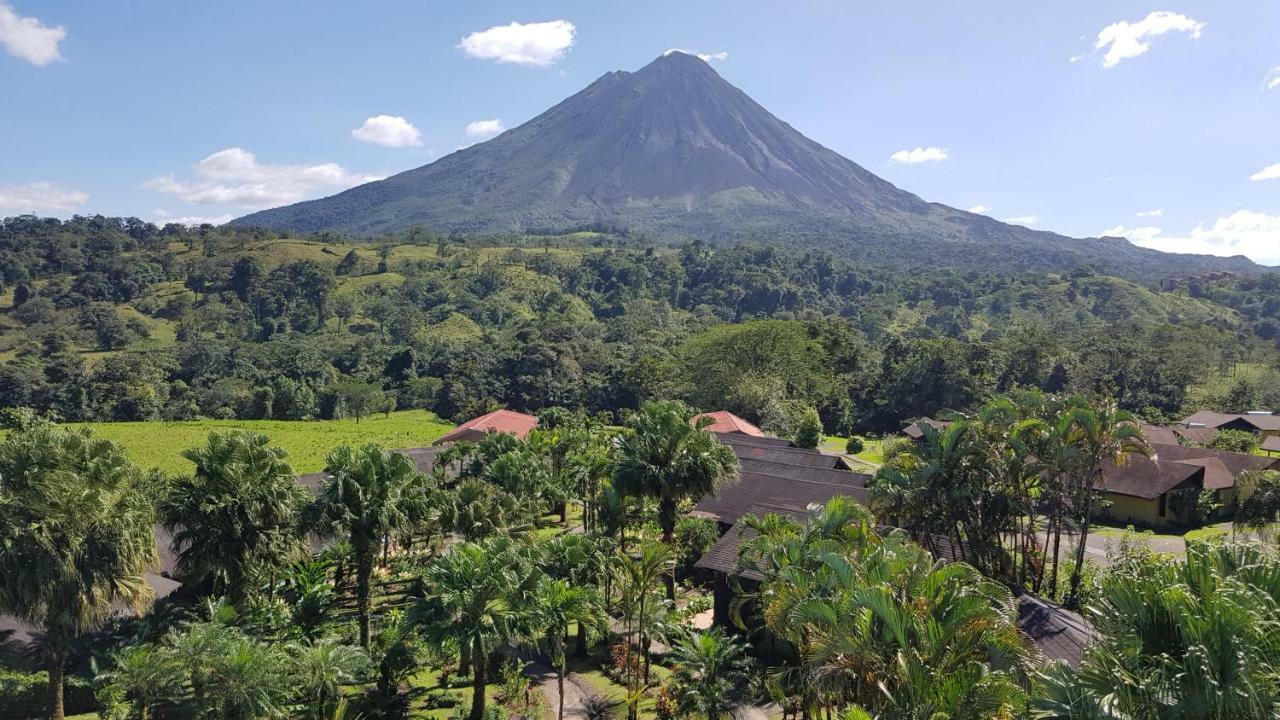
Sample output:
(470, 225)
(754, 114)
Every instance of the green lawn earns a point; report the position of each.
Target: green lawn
(159, 444)
(872, 452)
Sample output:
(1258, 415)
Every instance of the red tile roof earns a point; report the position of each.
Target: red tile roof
(503, 421)
(723, 421)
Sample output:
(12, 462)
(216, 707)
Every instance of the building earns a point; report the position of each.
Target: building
(503, 421)
(1140, 491)
(1059, 633)
(1262, 423)
(725, 422)
(915, 434)
(1222, 468)
(1271, 445)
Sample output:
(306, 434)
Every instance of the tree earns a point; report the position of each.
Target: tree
(809, 433)
(666, 457)
(1175, 639)
(879, 625)
(476, 595)
(559, 605)
(146, 674)
(237, 510)
(711, 673)
(1258, 498)
(355, 399)
(76, 537)
(368, 494)
(1240, 441)
(320, 668)
(1098, 435)
(638, 577)
(349, 264)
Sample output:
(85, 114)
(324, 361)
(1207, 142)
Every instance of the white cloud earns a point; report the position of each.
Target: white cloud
(919, 155)
(523, 44)
(484, 128)
(1075, 59)
(1023, 220)
(235, 177)
(704, 57)
(1252, 234)
(1154, 212)
(388, 130)
(40, 197)
(26, 38)
(980, 209)
(1270, 172)
(1273, 78)
(1124, 40)
(164, 217)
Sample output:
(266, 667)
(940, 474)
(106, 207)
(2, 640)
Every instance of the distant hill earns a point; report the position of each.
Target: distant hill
(675, 151)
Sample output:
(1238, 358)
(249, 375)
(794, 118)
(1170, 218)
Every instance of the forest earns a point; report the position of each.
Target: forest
(554, 576)
(106, 319)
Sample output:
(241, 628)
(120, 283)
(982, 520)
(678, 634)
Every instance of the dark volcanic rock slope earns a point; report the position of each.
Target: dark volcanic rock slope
(676, 151)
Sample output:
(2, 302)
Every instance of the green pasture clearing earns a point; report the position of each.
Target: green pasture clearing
(160, 444)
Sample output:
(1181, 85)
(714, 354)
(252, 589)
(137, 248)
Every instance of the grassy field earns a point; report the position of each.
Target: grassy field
(872, 455)
(159, 444)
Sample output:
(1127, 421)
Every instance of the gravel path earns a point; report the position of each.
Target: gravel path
(576, 692)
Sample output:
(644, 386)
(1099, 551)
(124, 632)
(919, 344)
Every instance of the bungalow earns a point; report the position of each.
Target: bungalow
(1262, 423)
(723, 421)
(1222, 468)
(1139, 491)
(503, 421)
(915, 434)
(1271, 445)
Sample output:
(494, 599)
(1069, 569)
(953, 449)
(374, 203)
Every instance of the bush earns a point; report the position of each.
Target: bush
(1239, 441)
(809, 433)
(855, 445)
(23, 694)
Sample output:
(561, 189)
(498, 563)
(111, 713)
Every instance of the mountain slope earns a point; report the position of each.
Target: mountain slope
(674, 150)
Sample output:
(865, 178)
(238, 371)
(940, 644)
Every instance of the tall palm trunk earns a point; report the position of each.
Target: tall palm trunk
(667, 518)
(1057, 549)
(560, 686)
(57, 678)
(478, 681)
(1085, 523)
(364, 569)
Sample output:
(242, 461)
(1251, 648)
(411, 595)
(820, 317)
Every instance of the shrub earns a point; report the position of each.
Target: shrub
(1239, 441)
(21, 693)
(855, 445)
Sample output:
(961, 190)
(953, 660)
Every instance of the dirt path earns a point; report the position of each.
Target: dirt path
(576, 692)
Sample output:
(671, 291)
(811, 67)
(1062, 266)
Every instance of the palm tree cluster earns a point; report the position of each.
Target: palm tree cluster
(879, 628)
(998, 490)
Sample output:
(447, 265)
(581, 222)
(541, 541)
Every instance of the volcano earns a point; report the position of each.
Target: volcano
(675, 152)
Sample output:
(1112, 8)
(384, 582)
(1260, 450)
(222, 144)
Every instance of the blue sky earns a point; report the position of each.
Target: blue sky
(1152, 121)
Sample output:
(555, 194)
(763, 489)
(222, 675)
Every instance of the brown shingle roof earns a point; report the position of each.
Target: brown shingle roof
(1059, 633)
(1266, 422)
(762, 489)
(913, 430)
(1160, 434)
(504, 421)
(723, 421)
(1149, 479)
(1234, 463)
(1271, 444)
(786, 455)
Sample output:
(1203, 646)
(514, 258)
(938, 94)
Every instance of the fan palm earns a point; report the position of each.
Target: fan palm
(148, 674)
(238, 509)
(666, 457)
(320, 668)
(476, 596)
(711, 673)
(369, 494)
(76, 537)
(560, 605)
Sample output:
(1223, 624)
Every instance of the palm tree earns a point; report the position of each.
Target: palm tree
(876, 622)
(667, 458)
(319, 670)
(476, 596)
(76, 537)
(1180, 640)
(148, 674)
(476, 510)
(237, 510)
(638, 577)
(560, 605)
(369, 494)
(1100, 436)
(711, 673)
